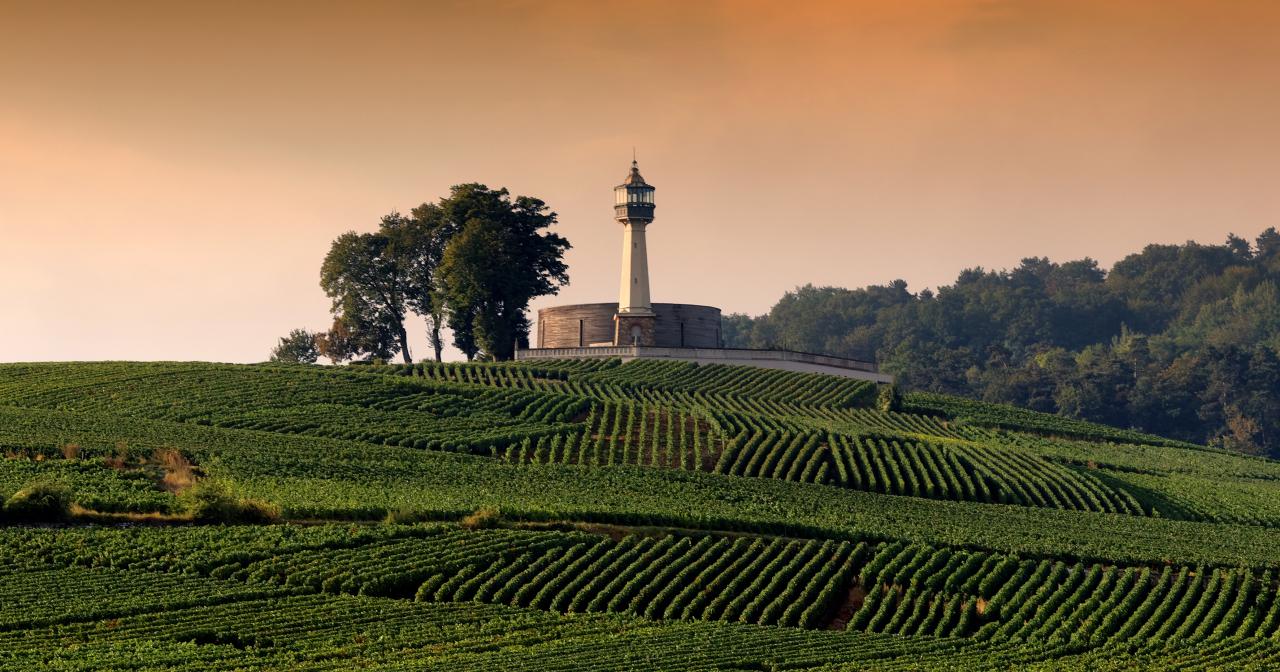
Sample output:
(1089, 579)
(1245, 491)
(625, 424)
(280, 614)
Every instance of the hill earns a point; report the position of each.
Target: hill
(1180, 340)
(607, 516)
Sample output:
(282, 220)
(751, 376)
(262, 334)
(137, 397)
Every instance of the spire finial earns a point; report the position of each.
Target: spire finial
(633, 177)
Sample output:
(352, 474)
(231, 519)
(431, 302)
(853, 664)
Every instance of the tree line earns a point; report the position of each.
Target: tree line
(1178, 340)
(470, 262)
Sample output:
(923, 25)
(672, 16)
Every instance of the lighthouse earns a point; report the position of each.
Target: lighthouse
(635, 327)
(635, 321)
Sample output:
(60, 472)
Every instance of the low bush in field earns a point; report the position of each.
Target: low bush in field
(483, 518)
(211, 502)
(889, 398)
(42, 501)
(409, 517)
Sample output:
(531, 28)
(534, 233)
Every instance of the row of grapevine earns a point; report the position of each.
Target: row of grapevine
(525, 425)
(755, 580)
(918, 590)
(504, 375)
(474, 432)
(1023, 478)
(921, 591)
(396, 567)
(1020, 419)
(316, 478)
(907, 589)
(660, 436)
(687, 399)
(324, 402)
(1093, 604)
(971, 472)
(960, 471)
(628, 433)
(862, 420)
(36, 595)
(740, 381)
(329, 632)
(669, 383)
(771, 582)
(793, 456)
(319, 478)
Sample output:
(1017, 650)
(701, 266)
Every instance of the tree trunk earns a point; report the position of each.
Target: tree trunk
(437, 342)
(404, 344)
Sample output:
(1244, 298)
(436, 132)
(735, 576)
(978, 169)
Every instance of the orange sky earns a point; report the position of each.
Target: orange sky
(170, 177)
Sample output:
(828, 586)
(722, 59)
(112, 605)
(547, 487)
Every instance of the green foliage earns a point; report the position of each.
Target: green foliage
(367, 278)
(1177, 340)
(94, 480)
(1021, 419)
(40, 502)
(889, 398)
(299, 347)
(474, 260)
(651, 511)
(407, 517)
(810, 446)
(499, 259)
(212, 502)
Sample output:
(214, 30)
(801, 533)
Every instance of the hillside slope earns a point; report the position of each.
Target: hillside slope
(1181, 339)
(508, 516)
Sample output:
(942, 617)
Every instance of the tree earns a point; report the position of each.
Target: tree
(496, 261)
(422, 241)
(472, 261)
(736, 330)
(299, 347)
(351, 337)
(367, 277)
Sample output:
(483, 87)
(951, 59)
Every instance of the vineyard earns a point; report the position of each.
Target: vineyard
(602, 515)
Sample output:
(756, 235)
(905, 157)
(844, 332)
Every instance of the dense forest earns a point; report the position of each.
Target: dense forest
(1178, 340)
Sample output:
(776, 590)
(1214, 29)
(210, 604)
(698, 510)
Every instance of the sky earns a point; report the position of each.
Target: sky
(171, 174)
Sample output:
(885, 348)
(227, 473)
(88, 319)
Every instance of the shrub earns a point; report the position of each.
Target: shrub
(409, 516)
(179, 475)
(211, 502)
(889, 398)
(482, 519)
(42, 501)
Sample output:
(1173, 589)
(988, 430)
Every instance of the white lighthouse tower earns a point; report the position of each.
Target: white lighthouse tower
(633, 208)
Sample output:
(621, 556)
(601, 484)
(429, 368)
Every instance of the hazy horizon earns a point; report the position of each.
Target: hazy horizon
(171, 176)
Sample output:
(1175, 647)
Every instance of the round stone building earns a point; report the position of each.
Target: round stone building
(676, 325)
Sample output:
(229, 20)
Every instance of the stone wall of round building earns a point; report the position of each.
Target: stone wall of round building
(586, 324)
(575, 326)
(681, 325)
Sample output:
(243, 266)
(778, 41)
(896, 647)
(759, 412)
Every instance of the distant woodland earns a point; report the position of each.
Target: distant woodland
(1178, 340)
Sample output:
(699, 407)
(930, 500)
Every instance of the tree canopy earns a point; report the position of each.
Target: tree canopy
(367, 277)
(498, 260)
(299, 347)
(472, 261)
